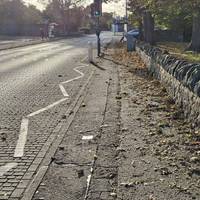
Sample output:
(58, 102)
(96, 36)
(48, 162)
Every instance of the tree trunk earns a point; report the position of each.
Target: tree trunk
(141, 37)
(195, 42)
(148, 23)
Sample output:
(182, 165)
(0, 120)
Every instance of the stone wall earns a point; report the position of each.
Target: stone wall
(181, 79)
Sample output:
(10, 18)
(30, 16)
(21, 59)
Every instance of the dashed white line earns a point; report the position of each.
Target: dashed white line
(7, 168)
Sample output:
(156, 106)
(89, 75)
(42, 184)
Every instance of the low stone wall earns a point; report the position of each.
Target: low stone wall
(181, 79)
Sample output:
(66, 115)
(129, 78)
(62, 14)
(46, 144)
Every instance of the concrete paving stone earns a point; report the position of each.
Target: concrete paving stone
(18, 173)
(8, 193)
(101, 185)
(23, 184)
(4, 197)
(28, 176)
(20, 170)
(26, 160)
(8, 188)
(17, 193)
(37, 160)
(7, 184)
(41, 154)
(30, 156)
(14, 184)
(33, 167)
(10, 173)
(3, 180)
(11, 177)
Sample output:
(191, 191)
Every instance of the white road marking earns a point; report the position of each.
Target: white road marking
(65, 94)
(19, 149)
(89, 180)
(47, 108)
(76, 78)
(87, 137)
(7, 168)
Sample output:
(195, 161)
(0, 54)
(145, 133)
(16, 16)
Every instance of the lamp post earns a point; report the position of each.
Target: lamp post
(96, 12)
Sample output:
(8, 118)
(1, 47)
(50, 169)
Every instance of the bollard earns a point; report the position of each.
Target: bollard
(90, 52)
(131, 42)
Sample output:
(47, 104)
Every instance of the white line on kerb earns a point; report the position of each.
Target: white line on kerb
(19, 150)
(7, 168)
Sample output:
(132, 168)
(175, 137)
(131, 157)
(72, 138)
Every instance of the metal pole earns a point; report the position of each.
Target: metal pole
(98, 38)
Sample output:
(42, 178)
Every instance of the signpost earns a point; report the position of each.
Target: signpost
(96, 11)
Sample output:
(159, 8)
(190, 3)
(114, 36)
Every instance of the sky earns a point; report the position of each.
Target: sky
(118, 8)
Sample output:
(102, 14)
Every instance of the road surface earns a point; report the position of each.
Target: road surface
(37, 85)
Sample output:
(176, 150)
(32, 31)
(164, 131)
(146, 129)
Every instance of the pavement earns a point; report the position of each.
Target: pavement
(72, 130)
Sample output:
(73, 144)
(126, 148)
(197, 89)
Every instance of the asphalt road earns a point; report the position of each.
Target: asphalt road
(32, 101)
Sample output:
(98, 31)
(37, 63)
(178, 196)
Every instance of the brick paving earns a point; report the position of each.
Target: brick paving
(27, 88)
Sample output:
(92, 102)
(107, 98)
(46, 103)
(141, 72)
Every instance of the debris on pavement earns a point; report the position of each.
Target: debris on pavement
(144, 147)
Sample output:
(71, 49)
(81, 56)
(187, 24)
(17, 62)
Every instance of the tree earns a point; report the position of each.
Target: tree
(106, 21)
(194, 5)
(61, 10)
(191, 9)
(16, 12)
(143, 13)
